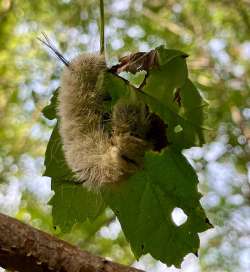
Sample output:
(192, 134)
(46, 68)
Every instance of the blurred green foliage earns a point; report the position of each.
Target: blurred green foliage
(215, 34)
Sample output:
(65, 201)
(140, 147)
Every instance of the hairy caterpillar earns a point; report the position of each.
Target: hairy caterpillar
(95, 154)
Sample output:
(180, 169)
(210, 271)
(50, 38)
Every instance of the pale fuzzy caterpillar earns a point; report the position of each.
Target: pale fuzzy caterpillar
(95, 155)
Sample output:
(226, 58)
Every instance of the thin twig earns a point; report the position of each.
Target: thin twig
(102, 31)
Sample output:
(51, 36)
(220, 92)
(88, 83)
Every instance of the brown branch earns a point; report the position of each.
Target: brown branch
(24, 248)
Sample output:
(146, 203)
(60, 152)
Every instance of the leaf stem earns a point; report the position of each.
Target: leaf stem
(102, 32)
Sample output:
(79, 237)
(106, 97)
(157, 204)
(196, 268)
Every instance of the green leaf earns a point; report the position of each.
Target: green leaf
(56, 166)
(50, 111)
(144, 203)
(115, 86)
(193, 105)
(163, 80)
(170, 74)
(73, 204)
(165, 55)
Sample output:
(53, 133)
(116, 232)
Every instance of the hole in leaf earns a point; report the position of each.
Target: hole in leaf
(134, 79)
(177, 96)
(178, 129)
(178, 216)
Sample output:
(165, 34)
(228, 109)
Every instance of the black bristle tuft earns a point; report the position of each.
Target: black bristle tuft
(48, 43)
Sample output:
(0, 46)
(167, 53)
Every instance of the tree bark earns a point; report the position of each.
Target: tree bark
(26, 249)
